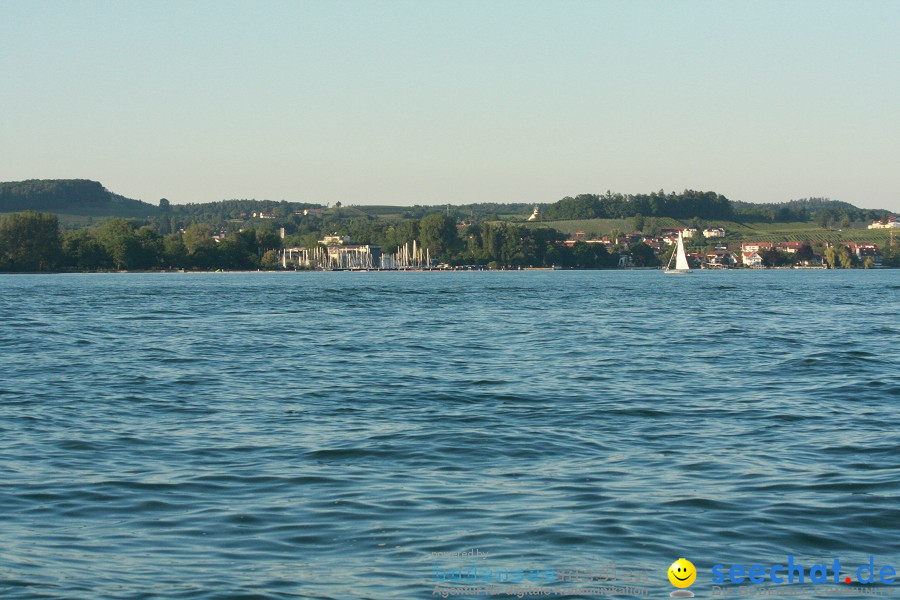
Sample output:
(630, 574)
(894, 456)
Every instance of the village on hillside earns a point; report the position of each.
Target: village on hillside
(341, 252)
(747, 254)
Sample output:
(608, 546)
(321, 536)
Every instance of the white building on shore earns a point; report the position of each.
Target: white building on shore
(335, 252)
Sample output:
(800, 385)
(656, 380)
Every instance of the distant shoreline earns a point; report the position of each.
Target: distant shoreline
(287, 271)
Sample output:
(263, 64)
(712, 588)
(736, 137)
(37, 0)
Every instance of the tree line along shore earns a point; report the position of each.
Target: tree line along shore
(78, 225)
(35, 242)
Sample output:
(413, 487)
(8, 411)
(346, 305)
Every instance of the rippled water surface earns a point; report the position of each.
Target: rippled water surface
(322, 434)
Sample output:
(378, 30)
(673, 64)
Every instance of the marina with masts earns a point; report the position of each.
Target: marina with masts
(339, 253)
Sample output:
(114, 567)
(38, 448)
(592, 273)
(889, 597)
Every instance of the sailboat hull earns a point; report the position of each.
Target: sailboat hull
(678, 272)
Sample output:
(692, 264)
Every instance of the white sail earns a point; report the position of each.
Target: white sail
(679, 257)
(681, 262)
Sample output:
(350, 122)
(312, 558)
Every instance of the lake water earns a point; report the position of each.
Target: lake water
(285, 435)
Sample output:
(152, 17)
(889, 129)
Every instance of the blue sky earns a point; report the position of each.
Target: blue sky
(429, 102)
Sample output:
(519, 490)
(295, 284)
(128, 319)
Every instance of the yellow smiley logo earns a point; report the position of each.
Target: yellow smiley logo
(682, 573)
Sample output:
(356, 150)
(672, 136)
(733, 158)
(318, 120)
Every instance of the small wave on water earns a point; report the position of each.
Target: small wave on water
(322, 434)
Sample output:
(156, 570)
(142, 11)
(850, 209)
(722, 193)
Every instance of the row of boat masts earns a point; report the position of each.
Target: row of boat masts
(409, 256)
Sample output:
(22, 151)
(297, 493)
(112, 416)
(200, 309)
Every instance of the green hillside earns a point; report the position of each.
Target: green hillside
(82, 203)
(598, 227)
(735, 232)
(799, 231)
(70, 198)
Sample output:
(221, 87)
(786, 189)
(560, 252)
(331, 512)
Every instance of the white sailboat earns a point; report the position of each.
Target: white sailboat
(679, 257)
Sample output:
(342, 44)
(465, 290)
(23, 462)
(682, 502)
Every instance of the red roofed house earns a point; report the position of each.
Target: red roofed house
(751, 259)
(865, 250)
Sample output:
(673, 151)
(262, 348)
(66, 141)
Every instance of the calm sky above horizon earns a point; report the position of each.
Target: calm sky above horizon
(427, 102)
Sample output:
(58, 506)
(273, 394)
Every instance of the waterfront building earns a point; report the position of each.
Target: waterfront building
(335, 252)
(751, 259)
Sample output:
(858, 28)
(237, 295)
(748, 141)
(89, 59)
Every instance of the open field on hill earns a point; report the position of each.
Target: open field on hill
(396, 213)
(801, 232)
(598, 227)
(736, 232)
(878, 236)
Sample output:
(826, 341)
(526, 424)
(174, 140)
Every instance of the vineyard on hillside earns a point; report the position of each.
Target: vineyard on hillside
(736, 232)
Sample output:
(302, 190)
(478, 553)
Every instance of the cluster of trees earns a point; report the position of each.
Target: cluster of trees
(824, 211)
(495, 244)
(501, 244)
(891, 257)
(774, 257)
(688, 204)
(33, 241)
(29, 242)
(214, 213)
(707, 205)
(836, 257)
(840, 257)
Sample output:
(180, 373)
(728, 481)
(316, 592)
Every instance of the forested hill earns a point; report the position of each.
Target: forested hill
(70, 196)
(82, 198)
(703, 205)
